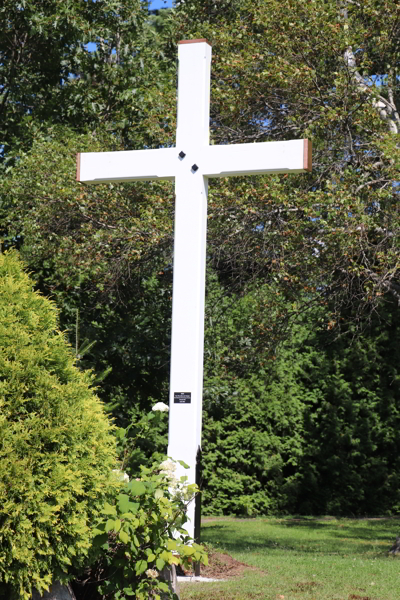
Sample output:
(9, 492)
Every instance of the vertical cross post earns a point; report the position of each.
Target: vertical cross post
(186, 381)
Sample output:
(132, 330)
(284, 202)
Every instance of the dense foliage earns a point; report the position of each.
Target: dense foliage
(57, 451)
(135, 540)
(314, 431)
(253, 419)
(352, 420)
(48, 75)
(309, 424)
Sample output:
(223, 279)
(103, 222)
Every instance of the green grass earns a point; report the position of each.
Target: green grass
(304, 559)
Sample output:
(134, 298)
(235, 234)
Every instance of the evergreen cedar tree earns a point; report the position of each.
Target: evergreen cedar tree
(57, 449)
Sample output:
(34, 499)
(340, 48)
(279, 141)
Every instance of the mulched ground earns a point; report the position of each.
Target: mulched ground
(221, 566)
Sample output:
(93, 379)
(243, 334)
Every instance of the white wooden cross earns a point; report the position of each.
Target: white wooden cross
(191, 163)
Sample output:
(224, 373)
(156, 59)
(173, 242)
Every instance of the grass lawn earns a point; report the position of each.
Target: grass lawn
(303, 559)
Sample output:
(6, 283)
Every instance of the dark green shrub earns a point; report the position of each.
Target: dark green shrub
(251, 445)
(351, 461)
(253, 409)
(57, 450)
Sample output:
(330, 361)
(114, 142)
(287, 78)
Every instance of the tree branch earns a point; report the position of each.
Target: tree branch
(385, 108)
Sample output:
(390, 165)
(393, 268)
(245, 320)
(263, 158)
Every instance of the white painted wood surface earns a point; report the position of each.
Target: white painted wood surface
(191, 163)
(212, 161)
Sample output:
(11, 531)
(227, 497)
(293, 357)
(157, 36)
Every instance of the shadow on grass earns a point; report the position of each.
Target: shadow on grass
(370, 530)
(368, 538)
(365, 529)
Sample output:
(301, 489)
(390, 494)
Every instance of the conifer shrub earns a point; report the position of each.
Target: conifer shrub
(57, 449)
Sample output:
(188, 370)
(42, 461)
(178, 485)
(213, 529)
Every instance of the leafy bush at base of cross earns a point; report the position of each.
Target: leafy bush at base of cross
(57, 448)
(135, 538)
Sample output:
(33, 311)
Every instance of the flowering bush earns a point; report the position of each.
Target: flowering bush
(136, 537)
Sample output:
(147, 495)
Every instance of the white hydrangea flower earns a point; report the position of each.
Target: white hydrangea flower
(168, 468)
(121, 475)
(161, 406)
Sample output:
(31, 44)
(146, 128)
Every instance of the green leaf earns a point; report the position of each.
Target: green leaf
(109, 510)
(173, 545)
(123, 503)
(123, 536)
(150, 556)
(137, 488)
(109, 525)
(141, 567)
(99, 540)
(131, 509)
(117, 525)
(129, 591)
(160, 563)
(184, 465)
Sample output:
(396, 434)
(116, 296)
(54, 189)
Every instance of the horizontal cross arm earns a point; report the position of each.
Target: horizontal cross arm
(258, 158)
(126, 165)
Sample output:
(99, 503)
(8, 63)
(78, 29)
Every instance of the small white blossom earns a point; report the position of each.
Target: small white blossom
(161, 406)
(121, 475)
(152, 573)
(168, 468)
